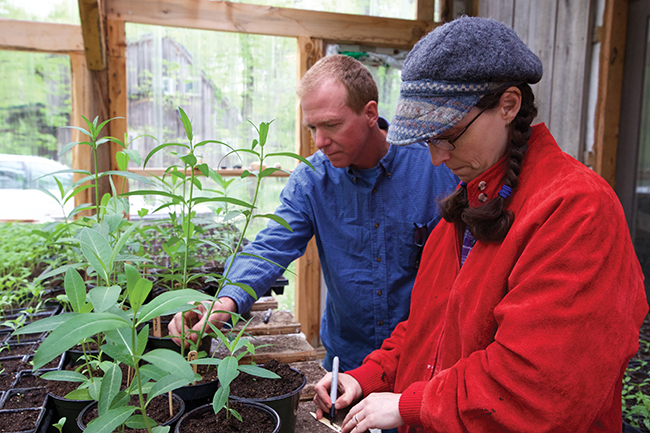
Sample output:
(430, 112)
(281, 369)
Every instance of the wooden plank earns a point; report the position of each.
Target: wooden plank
(79, 87)
(92, 28)
(283, 348)
(264, 303)
(307, 295)
(610, 87)
(500, 10)
(534, 22)
(425, 10)
(280, 322)
(117, 94)
(40, 37)
(570, 77)
(226, 172)
(313, 371)
(267, 20)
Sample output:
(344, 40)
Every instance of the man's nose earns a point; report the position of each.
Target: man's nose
(320, 139)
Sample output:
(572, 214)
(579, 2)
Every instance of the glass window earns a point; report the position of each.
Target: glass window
(380, 8)
(12, 175)
(49, 11)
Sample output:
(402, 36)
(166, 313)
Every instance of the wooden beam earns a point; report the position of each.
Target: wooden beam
(426, 10)
(79, 87)
(18, 35)
(267, 20)
(117, 94)
(610, 85)
(93, 34)
(307, 300)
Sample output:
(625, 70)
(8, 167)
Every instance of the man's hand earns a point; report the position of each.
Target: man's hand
(195, 318)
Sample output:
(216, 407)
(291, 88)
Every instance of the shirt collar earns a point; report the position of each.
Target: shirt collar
(486, 186)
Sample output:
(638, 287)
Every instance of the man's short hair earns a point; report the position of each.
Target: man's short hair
(351, 73)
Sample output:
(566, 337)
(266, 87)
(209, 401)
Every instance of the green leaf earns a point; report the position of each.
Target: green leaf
(132, 277)
(220, 398)
(94, 386)
(44, 324)
(121, 337)
(254, 370)
(103, 298)
(75, 289)
(228, 370)
(140, 292)
(97, 251)
(171, 362)
(275, 218)
(292, 155)
(110, 420)
(122, 242)
(189, 159)
(122, 159)
(151, 372)
(72, 331)
(186, 123)
(64, 376)
(160, 147)
(118, 353)
(170, 301)
(143, 338)
(129, 175)
(111, 383)
(79, 394)
(166, 384)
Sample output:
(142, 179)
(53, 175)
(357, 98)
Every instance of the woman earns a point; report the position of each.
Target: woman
(527, 307)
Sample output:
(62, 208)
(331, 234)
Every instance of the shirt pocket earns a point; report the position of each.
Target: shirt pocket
(409, 244)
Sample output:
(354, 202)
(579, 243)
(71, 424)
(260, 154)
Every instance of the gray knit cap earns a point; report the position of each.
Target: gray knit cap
(451, 68)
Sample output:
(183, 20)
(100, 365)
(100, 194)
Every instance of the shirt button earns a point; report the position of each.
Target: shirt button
(374, 190)
(482, 197)
(379, 259)
(376, 225)
(482, 185)
(381, 322)
(389, 174)
(379, 293)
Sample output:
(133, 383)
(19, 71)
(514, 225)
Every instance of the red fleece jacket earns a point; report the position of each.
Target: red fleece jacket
(532, 334)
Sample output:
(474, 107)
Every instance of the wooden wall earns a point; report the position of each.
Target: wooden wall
(560, 33)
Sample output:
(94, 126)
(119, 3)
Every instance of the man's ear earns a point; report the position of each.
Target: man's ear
(510, 103)
(371, 112)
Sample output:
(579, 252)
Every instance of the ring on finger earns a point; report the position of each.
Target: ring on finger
(356, 420)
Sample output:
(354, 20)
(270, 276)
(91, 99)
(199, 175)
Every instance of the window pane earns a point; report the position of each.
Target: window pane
(49, 11)
(380, 8)
(34, 111)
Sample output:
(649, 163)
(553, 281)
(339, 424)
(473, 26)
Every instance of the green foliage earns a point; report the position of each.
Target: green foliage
(114, 312)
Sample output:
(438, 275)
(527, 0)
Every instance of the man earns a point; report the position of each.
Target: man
(369, 204)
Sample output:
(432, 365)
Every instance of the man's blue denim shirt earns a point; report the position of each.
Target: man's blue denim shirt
(365, 237)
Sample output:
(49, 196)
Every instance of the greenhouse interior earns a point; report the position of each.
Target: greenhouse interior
(190, 215)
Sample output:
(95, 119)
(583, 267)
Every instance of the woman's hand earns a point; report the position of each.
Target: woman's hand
(349, 391)
(379, 410)
(195, 318)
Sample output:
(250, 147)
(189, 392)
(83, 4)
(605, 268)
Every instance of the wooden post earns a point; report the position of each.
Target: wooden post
(307, 299)
(610, 85)
(117, 94)
(81, 155)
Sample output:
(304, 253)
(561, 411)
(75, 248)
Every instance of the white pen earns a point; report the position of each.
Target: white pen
(334, 386)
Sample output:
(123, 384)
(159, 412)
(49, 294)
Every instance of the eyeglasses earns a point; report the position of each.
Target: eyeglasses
(448, 143)
(419, 239)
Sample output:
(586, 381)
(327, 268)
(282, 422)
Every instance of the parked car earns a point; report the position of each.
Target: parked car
(21, 178)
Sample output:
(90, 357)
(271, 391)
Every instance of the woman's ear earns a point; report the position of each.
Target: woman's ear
(510, 103)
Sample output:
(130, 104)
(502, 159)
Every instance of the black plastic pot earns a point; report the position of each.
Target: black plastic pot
(208, 407)
(197, 395)
(181, 411)
(70, 409)
(40, 425)
(13, 392)
(285, 405)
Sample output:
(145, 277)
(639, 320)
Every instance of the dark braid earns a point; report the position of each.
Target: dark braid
(491, 221)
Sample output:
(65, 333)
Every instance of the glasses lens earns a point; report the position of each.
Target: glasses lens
(420, 235)
(414, 259)
(441, 144)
